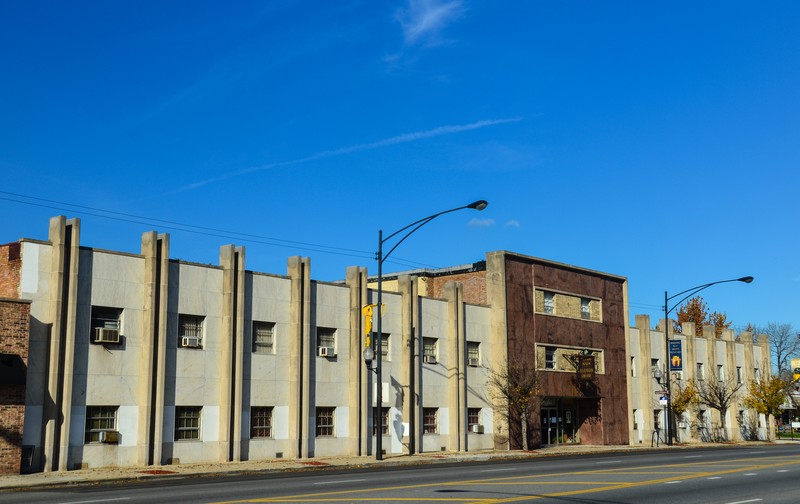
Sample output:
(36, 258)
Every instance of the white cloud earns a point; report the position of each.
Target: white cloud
(481, 222)
(423, 20)
(512, 223)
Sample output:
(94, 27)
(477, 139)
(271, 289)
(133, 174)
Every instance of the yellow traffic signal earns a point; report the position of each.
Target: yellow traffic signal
(796, 370)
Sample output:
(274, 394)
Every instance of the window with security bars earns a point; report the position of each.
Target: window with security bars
(190, 326)
(429, 423)
(326, 337)
(549, 358)
(263, 337)
(473, 351)
(106, 318)
(429, 347)
(586, 311)
(549, 302)
(325, 421)
(384, 344)
(261, 422)
(99, 419)
(187, 422)
(473, 418)
(384, 421)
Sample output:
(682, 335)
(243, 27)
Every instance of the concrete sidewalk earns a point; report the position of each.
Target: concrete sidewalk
(89, 476)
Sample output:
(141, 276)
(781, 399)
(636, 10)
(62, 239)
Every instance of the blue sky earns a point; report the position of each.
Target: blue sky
(656, 141)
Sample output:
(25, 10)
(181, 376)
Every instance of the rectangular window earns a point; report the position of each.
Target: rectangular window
(99, 419)
(549, 302)
(655, 364)
(720, 373)
(757, 375)
(429, 423)
(656, 419)
(326, 341)
(384, 421)
(635, 419)
(701, 373)
(106, 318)
(549, 358)
(738, 374)
(263, 337)
(429, 350)
(473, 419)
(473, 353)
(190, 331)
(325, 421)
(187, 422)
(633, 366)
(384, 344)
(586, 311)
(261, 422)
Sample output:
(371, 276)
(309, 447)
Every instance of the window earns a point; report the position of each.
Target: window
(384, 344)
(586, 312)
(738, 374)
(325, 421)
(429, 423)
(190, 331)
(757, 375)
(263, 337)
(384, 421)
(633, 366)
(720, 373)
(656, 419)
(473, 353)
(429, 349)
(326, 338)
(635, 419)
(473, 419)
(655, 364)
(549, 358)
(549, 302)
(99, 419)
(187, 422)
(700, 372)
(106, 318)
(261, 422)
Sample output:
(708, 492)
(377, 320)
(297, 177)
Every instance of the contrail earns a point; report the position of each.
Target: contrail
(399, 139)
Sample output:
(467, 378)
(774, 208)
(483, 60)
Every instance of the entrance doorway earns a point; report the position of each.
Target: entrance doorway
(558, 421)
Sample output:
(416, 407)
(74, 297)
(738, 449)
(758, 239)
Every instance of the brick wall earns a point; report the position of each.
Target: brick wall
(10, 267)
(14, 331)
(474, 283)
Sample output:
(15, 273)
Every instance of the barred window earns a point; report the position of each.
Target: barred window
(325, 421)
(549, 302)
(99, 419)
(473, 350)
(473, 417)
(384, 344)
(429, 347)
(429, 423)
(326, 337)
(586, 312)
(190, 327)
(549, 358)
(384, 421)
(261, 422)
(263, 337)
(187, 422)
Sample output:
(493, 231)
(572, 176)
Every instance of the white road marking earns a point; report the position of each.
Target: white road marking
(497, 470)
(338, 482)
(750, 474)
(784, 470)
(756, 452)
(609, 462)
(745, 502)
(673, 482)
(99, 500)
(693, 456)
(715, 477)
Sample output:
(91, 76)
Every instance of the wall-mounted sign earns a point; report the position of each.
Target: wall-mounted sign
(675, 355)
(586, 368)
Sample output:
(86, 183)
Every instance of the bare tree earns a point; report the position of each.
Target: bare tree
(515, 389)
(784, 343)
(766, 396)
(718, 394)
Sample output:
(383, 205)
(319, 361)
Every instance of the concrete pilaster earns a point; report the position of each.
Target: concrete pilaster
(231, 352)
(356, 279)
(454, 293)
(497, 298)
(411, 369)
(645, 379)
(300, 355)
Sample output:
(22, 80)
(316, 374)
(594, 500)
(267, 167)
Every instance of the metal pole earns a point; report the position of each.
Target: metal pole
(378, 418)
(668, 373)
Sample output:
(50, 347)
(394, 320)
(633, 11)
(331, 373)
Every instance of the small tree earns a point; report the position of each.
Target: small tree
(515, 388)
(695, 310)
(684, 398)
(767, 396)
(784, 343)
(719, 395)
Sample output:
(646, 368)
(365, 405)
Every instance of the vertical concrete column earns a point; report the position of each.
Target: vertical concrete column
(763, 343)
(155, 249)
(300, 349)
(231, 353)
(734, 433)
(710, 336)
(497, 297)
(64, 236)
(356, 280)
(689, 360)
(411, 364)
(454, 293)
(646, 391)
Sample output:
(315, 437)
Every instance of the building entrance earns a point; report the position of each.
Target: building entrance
(558, 421)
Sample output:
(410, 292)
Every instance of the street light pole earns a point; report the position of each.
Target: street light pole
(377, 420)
(667, 298)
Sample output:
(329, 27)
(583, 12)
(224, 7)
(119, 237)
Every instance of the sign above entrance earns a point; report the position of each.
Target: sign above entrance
(586, 370)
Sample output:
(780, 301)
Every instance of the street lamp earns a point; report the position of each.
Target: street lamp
(369, 353)
(667, 298)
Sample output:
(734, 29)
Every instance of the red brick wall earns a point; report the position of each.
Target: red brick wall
(474, 286)
(10, 267)
(14, 331)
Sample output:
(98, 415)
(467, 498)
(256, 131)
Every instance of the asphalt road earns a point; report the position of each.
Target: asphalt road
(738, 475)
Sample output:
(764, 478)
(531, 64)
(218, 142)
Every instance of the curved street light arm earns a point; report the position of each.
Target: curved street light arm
(694, 290)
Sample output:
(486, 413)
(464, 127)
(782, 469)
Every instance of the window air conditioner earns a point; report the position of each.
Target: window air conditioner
(474, 362)
(190, 342)
(429, 359)
(477, 429)
(103, 335)
(326, 351)
(109, 437)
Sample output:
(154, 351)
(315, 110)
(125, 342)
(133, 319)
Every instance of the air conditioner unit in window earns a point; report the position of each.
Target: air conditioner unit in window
(103, 335)
(190, 342)
(474, 362)
(429, 359)
(109, 437)
(477, 429)
(326, 351)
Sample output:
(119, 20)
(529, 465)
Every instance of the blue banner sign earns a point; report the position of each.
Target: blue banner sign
(675, 355)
